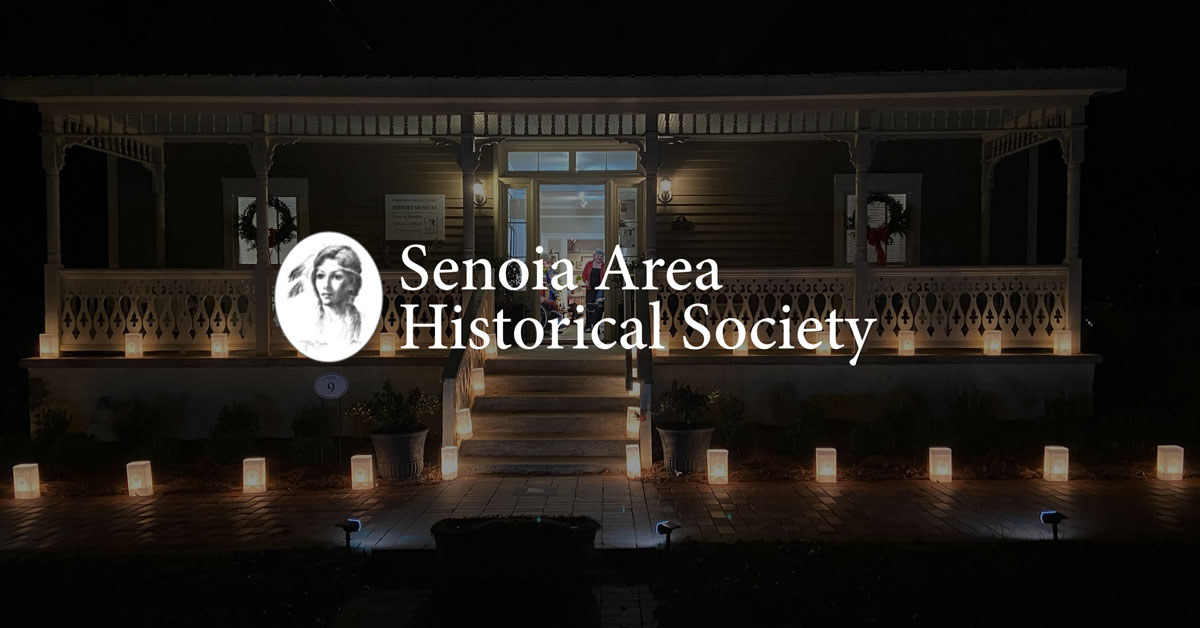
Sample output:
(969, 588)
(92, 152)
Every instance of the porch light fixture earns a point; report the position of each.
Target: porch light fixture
(26, 482)
(718, 466)
(477, 381)
(362, 472)
(991, 342)
(449, 462)
(480, 197)
(633, 426)
(823, 348)
(1062, 342)
(907, 343)
(48, 345)
(220, 345)
(664, 189)
(489, 351)
(139, 478)
(133, 345)
(1170, 462)
(1054, 464)
(462, 424)
(633, 462)
(254, 475)
(387, 345)
(940, 464)
(826, 467)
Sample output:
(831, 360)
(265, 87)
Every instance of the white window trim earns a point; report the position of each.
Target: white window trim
(908, 184)
(232, 188)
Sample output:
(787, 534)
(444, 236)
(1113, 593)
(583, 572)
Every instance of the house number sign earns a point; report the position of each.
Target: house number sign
(330, 386)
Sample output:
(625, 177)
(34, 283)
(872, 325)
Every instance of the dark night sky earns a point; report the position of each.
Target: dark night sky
(1140, 143)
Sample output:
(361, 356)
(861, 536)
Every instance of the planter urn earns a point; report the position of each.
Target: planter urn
(400, 456)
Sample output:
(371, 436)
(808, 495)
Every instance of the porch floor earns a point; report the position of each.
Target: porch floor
(400, 518)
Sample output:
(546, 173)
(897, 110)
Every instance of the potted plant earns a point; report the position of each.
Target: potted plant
(685, 434)
(396, 429)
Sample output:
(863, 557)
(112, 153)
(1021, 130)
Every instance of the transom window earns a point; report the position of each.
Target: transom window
(578, 161)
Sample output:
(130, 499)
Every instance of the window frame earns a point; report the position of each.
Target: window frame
(234, 187)
(908, 184)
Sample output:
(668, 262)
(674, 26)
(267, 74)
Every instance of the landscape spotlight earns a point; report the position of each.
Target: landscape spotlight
(349, 526)
(1053, 518)
(666, 528)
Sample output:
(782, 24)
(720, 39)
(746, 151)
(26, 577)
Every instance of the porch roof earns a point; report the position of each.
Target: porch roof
(637, 93)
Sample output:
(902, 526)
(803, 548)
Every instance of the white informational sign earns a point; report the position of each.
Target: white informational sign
(415, 216)
(330, 385)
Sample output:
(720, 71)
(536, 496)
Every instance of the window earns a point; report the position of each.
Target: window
(592, 160)
(516, 223)
(905, 189)
(246, 251)
(540, 161)
(585, 161)
(877, 216)
(288, 207)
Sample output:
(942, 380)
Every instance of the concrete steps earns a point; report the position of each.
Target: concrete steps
(550, 415)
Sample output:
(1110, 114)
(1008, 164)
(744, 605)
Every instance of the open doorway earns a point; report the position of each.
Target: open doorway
(571, 226)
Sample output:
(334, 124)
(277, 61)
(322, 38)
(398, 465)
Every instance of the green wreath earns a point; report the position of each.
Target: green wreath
(899, 218)
(286, 232)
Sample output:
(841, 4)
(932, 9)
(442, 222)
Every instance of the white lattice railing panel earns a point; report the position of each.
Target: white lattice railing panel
(173, 310)
(954, 306)
(751, 295)
(395, 296)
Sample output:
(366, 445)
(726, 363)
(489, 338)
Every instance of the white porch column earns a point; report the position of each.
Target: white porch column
(114, 234)
(987, 166)
(651, 160)
(861, 154)
(260, 158)
(1073, 154)
(1031, 208)
(468, 160)
(53, 154)
(160, 209)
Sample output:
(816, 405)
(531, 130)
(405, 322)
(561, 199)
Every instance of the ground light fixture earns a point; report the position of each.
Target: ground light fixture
(477, 381)
(906, 343)
(940, 469)
(349, 526)
(48, 345)
(633, 462)
(718, 466)
(254, 475)
(632, 423)
(449, 462)
(387, 345)
(1052, 518)
(991, 342)
(462, 424)
(1062, 342)
(27, 484)
(133, 346)
(219, 345)
(139, 478)
(362, 472)
(1170, 462)
(665, 528)
(1054, 463)
(825, 469)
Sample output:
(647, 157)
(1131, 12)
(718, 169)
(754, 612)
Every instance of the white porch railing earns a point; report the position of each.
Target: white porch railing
(948, 307)
(177, 309)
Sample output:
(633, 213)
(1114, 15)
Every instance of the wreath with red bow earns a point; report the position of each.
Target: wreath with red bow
(275, 237)
(898, 222)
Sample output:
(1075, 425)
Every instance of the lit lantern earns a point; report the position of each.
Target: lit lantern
(991, 342)
(1170, 462)
(449, 462)
(48, 345)
(362, 472)
(823, 348)
(1062, 342)
(633, 462)
(940, 469)
(634, 373)
(1054, 465)
(718, 466)
(254, 475)
(387, 345)
(141, 481)
(462, 423)
(220, 345)
(133, 345)
(477, 381)
(26, 482)
(490, 350)
(633, 426)
(743, 348)
(826, 467)
(635, 389)
(907, 343)
(665, 351)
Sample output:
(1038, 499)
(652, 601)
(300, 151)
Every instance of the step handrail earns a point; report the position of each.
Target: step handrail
(456, 375)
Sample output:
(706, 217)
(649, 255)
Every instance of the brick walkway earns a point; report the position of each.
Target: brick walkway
(400, 518)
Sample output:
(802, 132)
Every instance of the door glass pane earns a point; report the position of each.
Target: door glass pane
(247, 249)
(516, 222)
(590, 160)
(627, 225)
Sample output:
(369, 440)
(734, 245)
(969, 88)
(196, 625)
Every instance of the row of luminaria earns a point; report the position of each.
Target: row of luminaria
(140, 480)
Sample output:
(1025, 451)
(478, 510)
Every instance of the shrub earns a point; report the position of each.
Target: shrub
(391, 412)
(973, 417)
(731, 427)
(232, 436)
(51, 424)
(809, 425)
(313, 436)
(683, 404)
